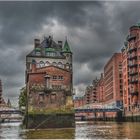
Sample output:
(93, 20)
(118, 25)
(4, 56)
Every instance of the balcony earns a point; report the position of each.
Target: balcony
(131, 37)
(133, 65)
(132, 57)
(135, 81)
(132, 49)
(134, 93)
(133, 73)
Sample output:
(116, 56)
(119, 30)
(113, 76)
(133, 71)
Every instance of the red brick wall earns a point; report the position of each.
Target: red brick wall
(112, 79)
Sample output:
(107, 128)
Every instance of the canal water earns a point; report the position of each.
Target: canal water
(83, 130)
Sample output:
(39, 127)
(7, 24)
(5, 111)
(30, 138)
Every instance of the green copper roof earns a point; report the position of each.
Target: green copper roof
(66, 47)
(37, 49)
(49, 49)
(136, 25)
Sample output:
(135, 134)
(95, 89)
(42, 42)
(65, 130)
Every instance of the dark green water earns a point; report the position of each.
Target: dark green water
(83, 130)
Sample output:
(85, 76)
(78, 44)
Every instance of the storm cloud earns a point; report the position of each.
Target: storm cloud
(95, 30)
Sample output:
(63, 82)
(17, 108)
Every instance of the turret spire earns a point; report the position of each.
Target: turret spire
(66, 47)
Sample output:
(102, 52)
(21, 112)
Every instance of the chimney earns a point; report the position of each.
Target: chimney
(36, 42)
(60, 43)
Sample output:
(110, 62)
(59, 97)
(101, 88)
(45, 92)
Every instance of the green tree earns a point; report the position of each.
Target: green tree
(22, 97)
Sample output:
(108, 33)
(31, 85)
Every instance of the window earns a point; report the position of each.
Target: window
(60, 77)
(56, 86)
(60, 65)
(67, 66)
(50, 53)
(38, 53)
(47, 63)
(42, 64)
(54, 77)
(54, 64)
(38, 65)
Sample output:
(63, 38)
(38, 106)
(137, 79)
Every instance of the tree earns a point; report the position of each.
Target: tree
(22, 97)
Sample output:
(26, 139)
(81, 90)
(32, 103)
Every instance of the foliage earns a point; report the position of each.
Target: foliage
(22, 97)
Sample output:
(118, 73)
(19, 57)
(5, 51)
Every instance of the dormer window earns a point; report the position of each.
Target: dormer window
(51, 54)
(38, 51)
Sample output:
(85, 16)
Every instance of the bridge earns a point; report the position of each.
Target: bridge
(7, 110)
(96, 110)
(10, 114)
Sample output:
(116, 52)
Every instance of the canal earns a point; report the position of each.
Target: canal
(83, 130)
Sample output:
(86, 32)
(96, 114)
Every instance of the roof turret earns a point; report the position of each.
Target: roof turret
(66, 47)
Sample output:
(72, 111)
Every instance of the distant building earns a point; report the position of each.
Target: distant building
(2, 101)
(100, 89)
(113, 84)
(79, 101)
(91, 92)
(0, 92)
(131, 69)
(49, 74)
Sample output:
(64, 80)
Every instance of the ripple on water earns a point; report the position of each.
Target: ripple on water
(83, 130)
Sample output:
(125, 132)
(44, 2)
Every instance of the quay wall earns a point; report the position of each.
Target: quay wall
(43, 121)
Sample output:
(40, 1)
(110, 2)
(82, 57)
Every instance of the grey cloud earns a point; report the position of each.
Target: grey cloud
(95, 31)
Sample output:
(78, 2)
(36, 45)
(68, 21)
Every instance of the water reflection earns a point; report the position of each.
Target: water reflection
(108, 130)
(83, 130)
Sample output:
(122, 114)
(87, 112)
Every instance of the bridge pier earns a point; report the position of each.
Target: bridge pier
(104, 116)
(95, 116)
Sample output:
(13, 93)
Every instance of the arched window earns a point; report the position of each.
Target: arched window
(33, 61)
(60, 65)
(70, 66)
(54, 64)
(47, 63)
(42, 64)
(38, 65)
(67, 66)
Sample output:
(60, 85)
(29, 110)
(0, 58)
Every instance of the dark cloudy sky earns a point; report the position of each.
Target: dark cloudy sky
(95, 30)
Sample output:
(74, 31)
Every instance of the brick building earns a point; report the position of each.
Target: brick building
(113, 89)
(49, 74)
(91, 92)
(125, 76)
(100, 89)
(131, 69)
(79, 101)
(2, 101)
(0, 92)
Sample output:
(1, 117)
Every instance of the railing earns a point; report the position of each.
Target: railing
(133, 73)
(132, 57)
(132, 49)
(134, 81)
(133, 65)
(130, 37)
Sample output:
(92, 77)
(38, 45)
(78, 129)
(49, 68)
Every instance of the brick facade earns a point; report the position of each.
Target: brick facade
(113, 85)
(0, 92)
(100, 89)
(49, 75)
(131, 70)
(79, 101)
